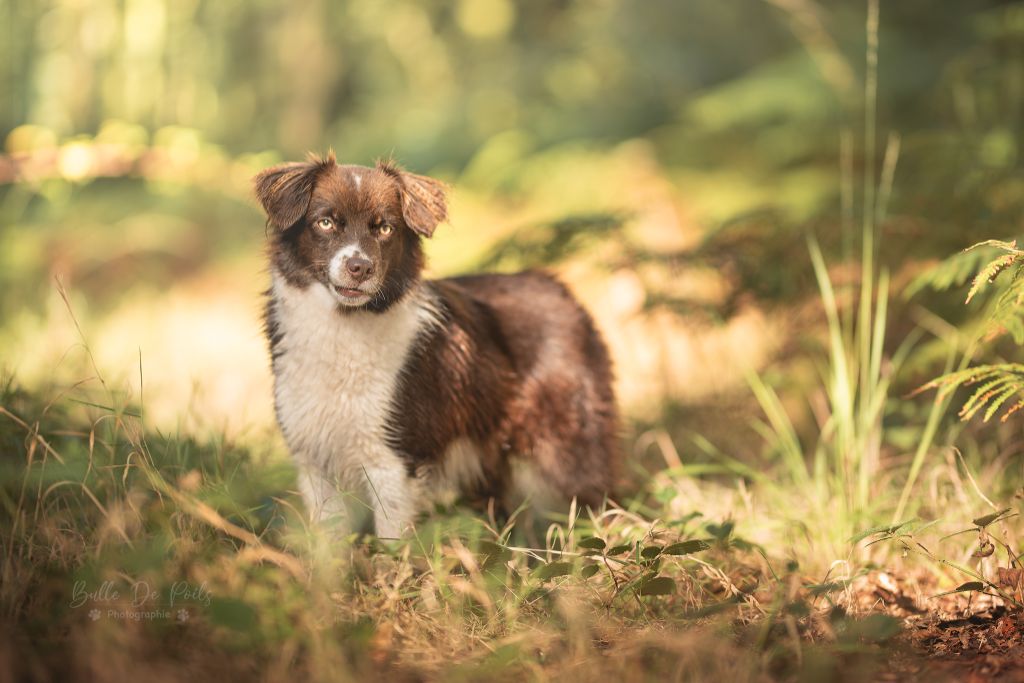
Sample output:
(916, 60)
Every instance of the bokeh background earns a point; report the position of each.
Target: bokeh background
(667, 158)
(675, 162)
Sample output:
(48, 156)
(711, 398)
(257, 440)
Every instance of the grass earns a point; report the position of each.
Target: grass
(129, 552)
(95, 504)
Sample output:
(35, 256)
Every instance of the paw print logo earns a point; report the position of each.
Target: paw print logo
(183, 616)
(94, 614)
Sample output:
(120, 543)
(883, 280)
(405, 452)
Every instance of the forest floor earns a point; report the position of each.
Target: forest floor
(947, 637)
(688, 580)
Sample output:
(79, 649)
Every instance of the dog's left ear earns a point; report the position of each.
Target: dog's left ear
(424, 200)
(285, 190)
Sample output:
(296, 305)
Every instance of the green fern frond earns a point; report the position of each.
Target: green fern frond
(995, 404)
(997, 384)
(1007, 313)
(987, 260)
(981, 394)
(989, 273)
(955, 271)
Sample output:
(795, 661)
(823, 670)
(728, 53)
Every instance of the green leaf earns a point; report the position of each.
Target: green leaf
(592, 543)
(964, 588)
(589, 571)
(658, 585)
(686, 547)
(619, 549)
(650, 552)
(492, 554)
(985, 520)
(550, 571)
(722, 531)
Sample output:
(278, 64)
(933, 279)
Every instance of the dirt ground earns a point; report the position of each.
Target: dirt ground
(956, 637)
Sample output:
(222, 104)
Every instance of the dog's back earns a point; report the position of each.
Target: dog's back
(517, 368)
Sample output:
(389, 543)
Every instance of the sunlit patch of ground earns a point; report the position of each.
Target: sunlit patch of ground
(198, 347)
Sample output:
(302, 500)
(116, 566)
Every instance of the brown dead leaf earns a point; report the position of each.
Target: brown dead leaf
(1010, 578)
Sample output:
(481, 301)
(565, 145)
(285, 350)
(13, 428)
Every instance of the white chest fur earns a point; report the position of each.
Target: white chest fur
(335, 377)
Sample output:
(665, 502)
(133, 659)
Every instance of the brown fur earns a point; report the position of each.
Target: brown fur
(515, 363)
(521, 370)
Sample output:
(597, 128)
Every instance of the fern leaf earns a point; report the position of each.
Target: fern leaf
(997, 385)
(954, 271)
(1008, 311)
(1013, 409)
(977, 398)
(989, 273)
(995, 404)
(1010, 246)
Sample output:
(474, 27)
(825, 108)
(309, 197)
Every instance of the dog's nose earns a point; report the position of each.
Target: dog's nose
(359, 268)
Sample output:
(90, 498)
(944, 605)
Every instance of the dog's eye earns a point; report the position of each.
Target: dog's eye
(386, 229)
(325, 224)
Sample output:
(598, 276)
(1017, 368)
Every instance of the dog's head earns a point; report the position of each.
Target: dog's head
(355, 230)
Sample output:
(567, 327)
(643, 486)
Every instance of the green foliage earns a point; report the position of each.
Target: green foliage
(985, 520)
(907, 535)
(657, 585)
(550, 243)
(984, 263)
(117, 503)
(995, 386)
(1012, 259)
(686, 547)
(953, 271)
(966, 587)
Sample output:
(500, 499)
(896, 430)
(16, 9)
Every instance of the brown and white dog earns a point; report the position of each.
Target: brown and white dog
(391, 389)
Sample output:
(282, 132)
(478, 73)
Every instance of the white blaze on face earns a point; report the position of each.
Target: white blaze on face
(336, 268)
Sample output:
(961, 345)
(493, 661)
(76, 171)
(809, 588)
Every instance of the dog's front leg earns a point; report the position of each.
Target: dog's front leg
(325, 503)
(393, 495)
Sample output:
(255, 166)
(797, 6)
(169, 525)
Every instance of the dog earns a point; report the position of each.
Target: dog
(390, 389)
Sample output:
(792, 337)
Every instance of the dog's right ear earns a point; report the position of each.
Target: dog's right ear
(285, 190)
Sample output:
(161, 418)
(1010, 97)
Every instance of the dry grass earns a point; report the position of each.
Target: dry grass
(91, 496)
